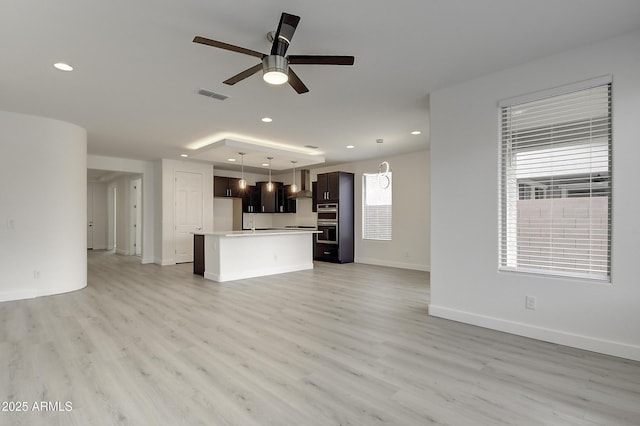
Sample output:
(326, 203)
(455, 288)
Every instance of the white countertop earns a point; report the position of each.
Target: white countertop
(259, 232)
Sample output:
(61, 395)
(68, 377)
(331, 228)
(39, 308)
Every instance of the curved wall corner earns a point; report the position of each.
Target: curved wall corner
(43, 205)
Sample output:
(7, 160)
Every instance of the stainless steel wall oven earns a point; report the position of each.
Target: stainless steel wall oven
(327, 213)
(327, 224)
(328, 233)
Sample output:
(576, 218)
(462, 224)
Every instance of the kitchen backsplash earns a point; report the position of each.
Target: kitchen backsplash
(304, 216)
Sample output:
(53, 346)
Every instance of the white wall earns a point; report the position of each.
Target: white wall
(146, 169)
(465, 283)
(166, 170)
(410, 244)
(223, 214)
(43, 206)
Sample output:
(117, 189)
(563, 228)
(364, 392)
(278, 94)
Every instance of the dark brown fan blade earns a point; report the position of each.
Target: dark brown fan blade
(296, 83)
(227, 46)
(320, 60)
(286, 28)
(244, 74)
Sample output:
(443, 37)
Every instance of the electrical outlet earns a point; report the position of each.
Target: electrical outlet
(530, 302)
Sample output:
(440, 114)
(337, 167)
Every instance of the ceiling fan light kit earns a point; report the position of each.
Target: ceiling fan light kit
(275, 65)
(275, 69)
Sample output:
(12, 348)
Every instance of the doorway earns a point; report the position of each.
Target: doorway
(112, 215)
(89, 216)
(114, 212)
(97, 216)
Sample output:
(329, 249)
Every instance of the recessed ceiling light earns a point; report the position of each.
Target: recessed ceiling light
(350, 146)
(416, 132)
(184, 155)
(265, 164)
(231, 159)
(267, 119)
(63, 67)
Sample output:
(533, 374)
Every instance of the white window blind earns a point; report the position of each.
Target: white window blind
(555, 189)
(377, 206)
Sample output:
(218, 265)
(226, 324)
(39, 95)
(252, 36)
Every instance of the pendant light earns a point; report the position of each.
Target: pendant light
(294, 187)
(383, 171)
(270, 184)
(243, 183)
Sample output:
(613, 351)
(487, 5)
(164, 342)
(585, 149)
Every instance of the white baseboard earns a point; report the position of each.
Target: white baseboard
(394, 264)
(608, 347)
(7, 296)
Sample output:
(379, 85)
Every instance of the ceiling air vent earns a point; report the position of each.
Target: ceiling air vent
(214, 95)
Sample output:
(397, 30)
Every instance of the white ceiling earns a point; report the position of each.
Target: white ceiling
(137, 70)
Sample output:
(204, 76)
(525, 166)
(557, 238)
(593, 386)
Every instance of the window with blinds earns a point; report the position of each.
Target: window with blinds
(555, 186)
(376, 206)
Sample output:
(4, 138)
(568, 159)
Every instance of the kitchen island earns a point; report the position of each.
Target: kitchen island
(235, 255)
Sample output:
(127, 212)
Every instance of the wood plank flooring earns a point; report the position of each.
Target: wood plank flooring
(339, 345)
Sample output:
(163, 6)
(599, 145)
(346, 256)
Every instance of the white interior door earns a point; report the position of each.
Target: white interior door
(135, 236)
(138, 187)
(89, 216)
(188, 213)
(100, 214)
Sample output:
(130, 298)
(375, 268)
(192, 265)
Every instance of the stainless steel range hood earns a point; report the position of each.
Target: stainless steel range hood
(305, 185)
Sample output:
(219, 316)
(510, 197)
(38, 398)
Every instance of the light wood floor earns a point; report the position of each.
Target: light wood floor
(339, 345)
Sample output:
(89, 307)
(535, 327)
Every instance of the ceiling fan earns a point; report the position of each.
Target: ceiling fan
(275, 66)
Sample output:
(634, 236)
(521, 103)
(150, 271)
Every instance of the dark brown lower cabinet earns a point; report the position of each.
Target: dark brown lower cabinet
(342, 253)
(198, 254)
(326, 252)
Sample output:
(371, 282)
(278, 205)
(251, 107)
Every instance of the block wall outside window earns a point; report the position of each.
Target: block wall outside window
(570, 234)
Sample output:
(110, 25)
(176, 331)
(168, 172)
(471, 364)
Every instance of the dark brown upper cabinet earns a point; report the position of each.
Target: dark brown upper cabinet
(251, 200)
(328, 187)
(270, 201)
(314, 192)
(227, 187)
(288, 200)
